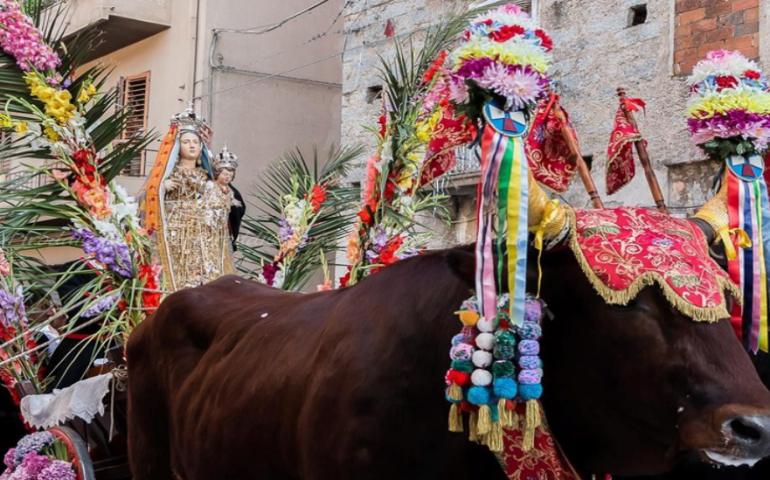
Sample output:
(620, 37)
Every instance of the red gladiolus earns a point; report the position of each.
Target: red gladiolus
(545, 40)
(318, 197)
(506, 32)
(752, 74)
(383, 124)
(268, 273)
(726, 82)
(434, 67)
(149, 274)
(346, 278)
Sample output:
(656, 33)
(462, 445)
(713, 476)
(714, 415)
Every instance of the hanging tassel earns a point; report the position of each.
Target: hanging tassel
(494, 439)
(485, 420)
(456, 393)
(473, 425)
(506, 415)
(532, 422)
(455, 419)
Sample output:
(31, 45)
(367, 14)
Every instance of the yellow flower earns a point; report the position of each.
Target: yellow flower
(51, 133)
(84, 97)
(713, 103)
(21, 127)
(92, 89)
(5, 121)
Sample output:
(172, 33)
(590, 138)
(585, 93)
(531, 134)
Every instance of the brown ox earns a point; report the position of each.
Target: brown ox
(235, 380)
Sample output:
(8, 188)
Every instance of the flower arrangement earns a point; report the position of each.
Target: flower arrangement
(728, 111)
(483, 378)
(61, 118)
(306, 215)
(39, 456)
(502, 55)
(16, 338)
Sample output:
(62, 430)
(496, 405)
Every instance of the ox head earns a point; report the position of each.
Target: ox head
(631, 388)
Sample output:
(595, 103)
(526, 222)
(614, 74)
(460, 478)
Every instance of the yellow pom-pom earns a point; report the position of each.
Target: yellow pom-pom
(469, 318)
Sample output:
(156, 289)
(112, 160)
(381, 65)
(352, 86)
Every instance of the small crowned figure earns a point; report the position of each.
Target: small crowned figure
(178, 214)
(225, 207)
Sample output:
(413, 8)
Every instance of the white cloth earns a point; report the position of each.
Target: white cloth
(83, 400)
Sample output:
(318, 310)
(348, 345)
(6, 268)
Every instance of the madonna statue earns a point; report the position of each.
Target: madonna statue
(181, 216)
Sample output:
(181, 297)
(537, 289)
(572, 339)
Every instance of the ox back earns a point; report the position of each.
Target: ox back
(236, 380)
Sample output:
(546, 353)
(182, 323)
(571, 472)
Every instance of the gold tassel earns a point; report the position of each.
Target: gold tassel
(455, 419)
(494, 439)
(506, 415)
(531, 424)
(485, 420)
(456, 393)
(474, 436)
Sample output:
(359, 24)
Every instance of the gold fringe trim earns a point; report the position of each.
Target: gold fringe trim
(494, 439)
(532, 422)
(506, 415)
(485, 421)
(622, 297)
(456, 392)
(455, 419)
(473, 425)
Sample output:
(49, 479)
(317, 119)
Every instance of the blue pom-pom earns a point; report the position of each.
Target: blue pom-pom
(530, 392)
(459, 338)
(478, 395)
(506, 388)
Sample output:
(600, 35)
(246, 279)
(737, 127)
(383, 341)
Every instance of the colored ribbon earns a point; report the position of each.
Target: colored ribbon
(518, 234)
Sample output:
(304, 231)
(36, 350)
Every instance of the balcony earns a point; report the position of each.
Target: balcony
(121, 22)
(463, 178)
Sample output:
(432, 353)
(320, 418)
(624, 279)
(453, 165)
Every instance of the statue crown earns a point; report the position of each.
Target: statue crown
(188, 120)
(225, 159)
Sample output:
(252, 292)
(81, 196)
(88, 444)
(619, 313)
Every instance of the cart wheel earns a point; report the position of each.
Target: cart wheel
(78, 451)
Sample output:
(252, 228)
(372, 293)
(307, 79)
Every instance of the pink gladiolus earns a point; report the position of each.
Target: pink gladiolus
(20, 39)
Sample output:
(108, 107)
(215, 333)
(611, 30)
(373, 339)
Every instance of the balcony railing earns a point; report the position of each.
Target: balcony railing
(121, 22)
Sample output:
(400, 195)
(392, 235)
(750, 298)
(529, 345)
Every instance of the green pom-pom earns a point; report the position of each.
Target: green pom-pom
(505, 345)
(464, 366)
(503, 369)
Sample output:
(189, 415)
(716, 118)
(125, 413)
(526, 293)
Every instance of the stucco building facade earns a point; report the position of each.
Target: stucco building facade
(645, 46)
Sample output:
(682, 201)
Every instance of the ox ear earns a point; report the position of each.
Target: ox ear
(463, 264)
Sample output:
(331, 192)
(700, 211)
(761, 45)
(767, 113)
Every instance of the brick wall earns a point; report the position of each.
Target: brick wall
(704, 25)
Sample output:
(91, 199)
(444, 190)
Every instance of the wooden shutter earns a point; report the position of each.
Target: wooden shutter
(135, 91)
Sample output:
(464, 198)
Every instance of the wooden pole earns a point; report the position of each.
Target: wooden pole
(575, 157)
(644, 159)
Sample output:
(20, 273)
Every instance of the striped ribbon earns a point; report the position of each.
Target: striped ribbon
(748, 210)
(502, 192)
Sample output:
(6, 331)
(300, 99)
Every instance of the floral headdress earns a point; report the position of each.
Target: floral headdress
(728, 111)
(502, 54)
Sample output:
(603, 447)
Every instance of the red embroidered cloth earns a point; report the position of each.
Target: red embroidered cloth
(544, 462)
(450, 133)
(620, 153)
(547, 149)
(622, 250)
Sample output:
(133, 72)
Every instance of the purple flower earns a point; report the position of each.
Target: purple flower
(35, 463)
(103, 305)
(12, 310)
(114, 254)
(733, 123)
(474, 67)
(285, 232)
(58, 470)
(10, 459)
(32, 443)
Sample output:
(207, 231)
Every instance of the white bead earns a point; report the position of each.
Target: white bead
(486, 326)
(481, 378)
(485, 341)
(482, 359)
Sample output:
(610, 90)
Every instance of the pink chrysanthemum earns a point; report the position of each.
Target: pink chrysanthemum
(520, 88)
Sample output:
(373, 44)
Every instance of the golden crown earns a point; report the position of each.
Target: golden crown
(188, 120)
(225, 159)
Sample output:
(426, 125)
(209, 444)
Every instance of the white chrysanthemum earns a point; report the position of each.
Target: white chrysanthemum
(720, 64)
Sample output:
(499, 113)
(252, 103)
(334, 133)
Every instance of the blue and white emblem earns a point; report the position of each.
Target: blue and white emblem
(747, 169)
(508, 123)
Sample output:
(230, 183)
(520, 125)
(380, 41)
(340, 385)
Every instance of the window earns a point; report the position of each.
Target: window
(135, 92)
(373, 93)
(637, 15)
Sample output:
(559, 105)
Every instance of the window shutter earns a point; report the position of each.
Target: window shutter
(135, 96)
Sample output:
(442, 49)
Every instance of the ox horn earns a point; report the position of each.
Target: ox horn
(546, 217)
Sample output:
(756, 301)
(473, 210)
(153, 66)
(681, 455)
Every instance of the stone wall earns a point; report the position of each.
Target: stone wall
(598, 47)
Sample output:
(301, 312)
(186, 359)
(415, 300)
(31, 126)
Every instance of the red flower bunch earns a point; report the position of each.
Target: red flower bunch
(367, 213)
(317, 196)
(752, 74)
(383, 122)
(435, 66)
(726, 82)
(346, 278)
(269, 271)
(388, 254)
(85, 167)
(506, 32)
(545, 40)
(149, 275)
